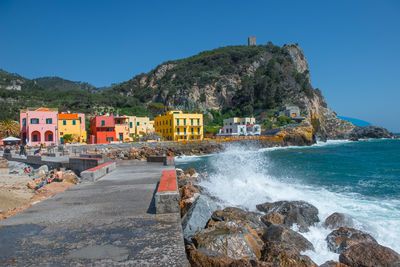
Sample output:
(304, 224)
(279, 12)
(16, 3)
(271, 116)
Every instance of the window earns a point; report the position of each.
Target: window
(61, 133)
(198, 121)
(170, 122)
(192, 130)
(50, 137)
(103, 123)
(35, 138)
(64, 122)
(49, 121)
(184, 121)
(198, 130)
(138, 123)
(130, 124)
(177, 131)
(73, 122)
(23, 122)
(109, 139)
(34, 121)
(177, 122)
(184, 130)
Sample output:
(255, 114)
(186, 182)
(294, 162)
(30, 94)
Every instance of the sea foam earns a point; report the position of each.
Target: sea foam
(241, 178)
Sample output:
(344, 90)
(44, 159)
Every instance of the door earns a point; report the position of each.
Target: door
(121, 136)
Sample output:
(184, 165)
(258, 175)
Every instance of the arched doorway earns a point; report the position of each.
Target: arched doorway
(49, 136)
(35, 136)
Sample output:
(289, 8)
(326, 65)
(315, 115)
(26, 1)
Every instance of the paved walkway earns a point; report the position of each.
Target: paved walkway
(111, 222)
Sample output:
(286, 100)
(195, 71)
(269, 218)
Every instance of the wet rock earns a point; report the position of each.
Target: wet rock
(188, 194)
(341, 239)
(294, 212)
(190, 171)
(234, 240)
(336, 220)
(283, 254)
(207, 258)
(197, 216)
(333, 264)
(281, 234)
(185, 181)
(238, 216)
(273, 218)
(370, 132)
(370, 254)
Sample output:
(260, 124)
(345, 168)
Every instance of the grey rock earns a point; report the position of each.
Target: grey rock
(197, 216)
(341, 239)
(279, 233)
(295, 212)
(44, 168)
(336, 220)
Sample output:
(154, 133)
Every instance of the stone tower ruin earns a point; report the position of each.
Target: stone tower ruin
(252, 41)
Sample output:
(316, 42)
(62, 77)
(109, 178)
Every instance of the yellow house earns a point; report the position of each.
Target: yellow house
(138, 126)
(121, 129)
(177, 126)
(72, 124)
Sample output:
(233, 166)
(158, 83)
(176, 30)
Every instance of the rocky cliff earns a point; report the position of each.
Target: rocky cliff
(245, 79)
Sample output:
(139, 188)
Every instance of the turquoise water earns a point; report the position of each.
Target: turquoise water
(358, 178)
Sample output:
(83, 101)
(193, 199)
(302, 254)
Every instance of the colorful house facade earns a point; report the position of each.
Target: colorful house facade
(72, 124)
(139, 126)
(39, 126)
(121, 129)
(177, 126)
(102, 129)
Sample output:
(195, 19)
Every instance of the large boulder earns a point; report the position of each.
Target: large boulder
(336, 220)
(294, 212)
(341, 239)
(207, 258)
(273, 218)
(234, 240)
(188, 195)
(44, 168)
(283, 254)
(197, 216)
(333, 264)
(279, 233)
(370, 254)
(239, 216)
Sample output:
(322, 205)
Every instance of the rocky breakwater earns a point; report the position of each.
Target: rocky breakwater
(231, 236)
(141, 153)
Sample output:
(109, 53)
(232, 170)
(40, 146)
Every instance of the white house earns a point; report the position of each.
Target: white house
(240, 130)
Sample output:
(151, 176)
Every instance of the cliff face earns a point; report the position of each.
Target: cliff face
(242, 78)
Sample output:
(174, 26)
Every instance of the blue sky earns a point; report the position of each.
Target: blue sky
(351, 46)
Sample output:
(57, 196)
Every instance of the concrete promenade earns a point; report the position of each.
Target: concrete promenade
(112, 222)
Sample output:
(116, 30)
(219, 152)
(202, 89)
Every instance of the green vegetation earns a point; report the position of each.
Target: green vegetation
(274, 83)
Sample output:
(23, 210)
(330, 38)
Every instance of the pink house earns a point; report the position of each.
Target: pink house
(39, 126)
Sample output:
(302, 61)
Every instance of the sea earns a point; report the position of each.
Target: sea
(361, 179)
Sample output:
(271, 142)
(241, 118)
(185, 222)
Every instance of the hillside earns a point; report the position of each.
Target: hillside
(227, 81)
(60, 84)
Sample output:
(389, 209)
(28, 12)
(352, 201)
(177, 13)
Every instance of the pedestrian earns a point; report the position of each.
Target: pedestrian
(37, 152)
(59, 175)
(22, 151)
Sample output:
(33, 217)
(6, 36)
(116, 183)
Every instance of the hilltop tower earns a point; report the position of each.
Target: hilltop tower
(252, 41)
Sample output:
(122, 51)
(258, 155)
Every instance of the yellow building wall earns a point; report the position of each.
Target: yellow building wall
(78, 134)
(138, 126)
(177, 126)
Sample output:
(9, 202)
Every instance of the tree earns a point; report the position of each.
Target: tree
(67, 138)
(9, 127)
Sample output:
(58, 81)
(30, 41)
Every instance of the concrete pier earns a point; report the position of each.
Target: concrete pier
(110, 222)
